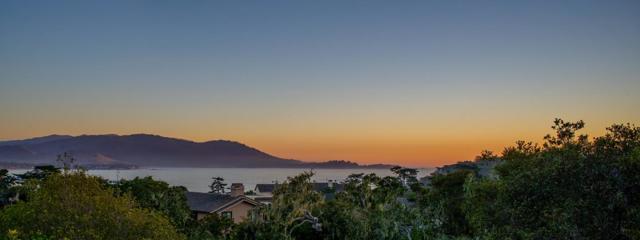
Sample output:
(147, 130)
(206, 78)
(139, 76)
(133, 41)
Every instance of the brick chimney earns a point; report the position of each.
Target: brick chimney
(237, 189)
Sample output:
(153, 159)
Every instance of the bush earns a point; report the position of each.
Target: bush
(73, 205)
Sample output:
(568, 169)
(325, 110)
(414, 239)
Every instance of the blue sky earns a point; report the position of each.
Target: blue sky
(320, 79)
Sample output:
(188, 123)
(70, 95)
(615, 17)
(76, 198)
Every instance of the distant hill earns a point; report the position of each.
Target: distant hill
(35, 140)
(144, 150)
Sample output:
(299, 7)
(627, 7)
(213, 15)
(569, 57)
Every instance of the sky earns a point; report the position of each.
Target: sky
(418, 83)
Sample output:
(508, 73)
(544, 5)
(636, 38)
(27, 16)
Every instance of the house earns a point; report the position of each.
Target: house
(263, 193)
(264, 189)
(233, 205)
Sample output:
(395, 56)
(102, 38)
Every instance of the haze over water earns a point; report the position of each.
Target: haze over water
(198, 179)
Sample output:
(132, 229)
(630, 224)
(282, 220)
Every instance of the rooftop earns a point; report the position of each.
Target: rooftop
(208, 202)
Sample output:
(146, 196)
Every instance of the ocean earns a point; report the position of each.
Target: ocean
(198, 179)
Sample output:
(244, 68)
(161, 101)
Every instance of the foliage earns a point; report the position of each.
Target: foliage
(288, 216)
(486, 155)
(217, 185)
(213, 226)
(67, 161)
(73, 205)
(370, 208)
(570, 188)
(406, 175)
(159, 196)
(17, 187)
(7, 181)
(443, 203)
(479, 206)
(39, 172)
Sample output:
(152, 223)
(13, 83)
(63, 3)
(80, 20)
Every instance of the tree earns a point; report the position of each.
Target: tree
(370, 208)
(159, 196)
(406, 175)
(443, 203)
(570, 188)
(218, 185)
(67, 161)
(73, 205)
(40, 172)
(213, 226)
(290, 215)
(7, 181)
(29, 181)
(486, 155)
(480, 208)
(565, 135)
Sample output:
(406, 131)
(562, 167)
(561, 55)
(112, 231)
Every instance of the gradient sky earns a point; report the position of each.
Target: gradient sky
(419, 83)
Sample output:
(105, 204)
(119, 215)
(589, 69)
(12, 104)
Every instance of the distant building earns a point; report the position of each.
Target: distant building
(234, 205)
(264, 193)
(264, 189)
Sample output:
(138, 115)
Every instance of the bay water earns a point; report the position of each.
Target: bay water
(199, 179)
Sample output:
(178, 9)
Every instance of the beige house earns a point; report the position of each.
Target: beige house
(234, 205)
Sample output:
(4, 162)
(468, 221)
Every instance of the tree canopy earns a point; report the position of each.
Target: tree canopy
(73, 205)
(159, 196)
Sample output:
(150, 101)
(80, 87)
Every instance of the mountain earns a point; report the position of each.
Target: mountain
(35, 140)
(144, 150)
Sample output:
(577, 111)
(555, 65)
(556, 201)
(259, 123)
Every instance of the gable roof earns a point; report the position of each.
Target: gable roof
(265, 187)
(210, 202)
(207, 202)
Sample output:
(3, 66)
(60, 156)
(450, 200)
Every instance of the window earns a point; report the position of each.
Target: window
(227, 214)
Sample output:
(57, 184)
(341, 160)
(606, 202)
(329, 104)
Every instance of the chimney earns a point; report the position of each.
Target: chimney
(237, 189)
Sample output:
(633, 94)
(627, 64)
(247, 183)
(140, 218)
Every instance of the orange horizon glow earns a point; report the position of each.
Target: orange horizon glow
(420, 83)
(414, 150)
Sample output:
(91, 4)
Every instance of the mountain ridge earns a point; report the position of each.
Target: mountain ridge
(148, 150)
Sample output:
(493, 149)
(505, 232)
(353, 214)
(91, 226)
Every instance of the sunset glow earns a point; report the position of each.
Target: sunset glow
(403, 84)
